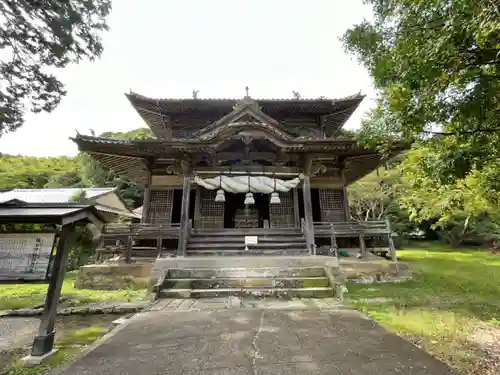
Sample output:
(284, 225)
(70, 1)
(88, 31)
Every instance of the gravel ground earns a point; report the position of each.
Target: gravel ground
(16, 332)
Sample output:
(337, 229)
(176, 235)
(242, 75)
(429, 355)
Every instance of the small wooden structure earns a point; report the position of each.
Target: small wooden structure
(26, 255)
(213, 138)
(66, 216)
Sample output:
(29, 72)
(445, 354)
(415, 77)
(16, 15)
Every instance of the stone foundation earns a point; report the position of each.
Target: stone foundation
(114, 276)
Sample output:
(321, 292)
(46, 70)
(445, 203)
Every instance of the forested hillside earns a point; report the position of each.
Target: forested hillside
(79, 171)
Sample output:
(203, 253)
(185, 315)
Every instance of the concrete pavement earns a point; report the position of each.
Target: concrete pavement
(255, 341)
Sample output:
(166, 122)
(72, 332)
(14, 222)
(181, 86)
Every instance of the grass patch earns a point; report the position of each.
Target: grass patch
(73, 335)
(454, 294)
(21, 295)
(67, 348)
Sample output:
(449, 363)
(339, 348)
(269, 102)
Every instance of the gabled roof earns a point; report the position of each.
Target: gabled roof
(63, 195)
(247, 112)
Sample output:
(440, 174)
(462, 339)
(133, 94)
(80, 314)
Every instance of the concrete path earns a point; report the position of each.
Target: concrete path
(254, 341)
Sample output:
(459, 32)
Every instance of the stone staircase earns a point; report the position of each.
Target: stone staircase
(274, 282)
(231, 242)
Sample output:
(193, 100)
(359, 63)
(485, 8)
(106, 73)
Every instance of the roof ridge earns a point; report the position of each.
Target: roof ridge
(310, 99)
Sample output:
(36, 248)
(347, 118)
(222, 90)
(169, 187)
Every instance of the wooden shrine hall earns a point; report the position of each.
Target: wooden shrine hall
(219, 170)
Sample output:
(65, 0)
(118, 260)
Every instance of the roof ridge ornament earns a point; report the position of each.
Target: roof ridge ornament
(247, 100)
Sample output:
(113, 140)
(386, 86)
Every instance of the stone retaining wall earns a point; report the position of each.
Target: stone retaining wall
(114, 276)
(368, 272)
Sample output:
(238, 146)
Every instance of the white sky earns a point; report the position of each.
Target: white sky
(168, 48)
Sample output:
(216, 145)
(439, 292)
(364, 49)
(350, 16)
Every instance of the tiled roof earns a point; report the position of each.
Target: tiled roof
(214, 99)
(63, 195)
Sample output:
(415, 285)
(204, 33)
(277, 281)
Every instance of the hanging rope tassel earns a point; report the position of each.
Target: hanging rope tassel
(275, 198)
(249, 199)
(220, 197)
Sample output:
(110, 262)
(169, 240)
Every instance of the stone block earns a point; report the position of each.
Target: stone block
(114, 276)
(373, 271)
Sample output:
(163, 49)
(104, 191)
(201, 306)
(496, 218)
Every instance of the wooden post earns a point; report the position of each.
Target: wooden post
(186, 190)
(333, 240)
(43, 343)
(362, 244)
(147, 198)
(128, 251)
(158, 246)
(308, 216)
(392, 248)
(100, 245)
(296, 214)
(345, 196)
(197, 207)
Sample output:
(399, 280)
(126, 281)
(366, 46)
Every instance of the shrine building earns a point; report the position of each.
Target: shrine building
(221, 169)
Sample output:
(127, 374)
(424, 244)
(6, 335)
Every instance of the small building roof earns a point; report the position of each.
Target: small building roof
(16, 212)
(105, 199)
(63, 195)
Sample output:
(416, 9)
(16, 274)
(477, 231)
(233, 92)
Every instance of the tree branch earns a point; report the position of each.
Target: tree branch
(469, 132)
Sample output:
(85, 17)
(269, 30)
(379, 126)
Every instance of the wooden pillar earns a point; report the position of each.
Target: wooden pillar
(128, 250)
(392, 247)
(43, 342)
(197, 207)
(362, 245)
(159, 241)
(345, 196)
(147, 198)
(186, 192)
(296, 213)
(308, 216)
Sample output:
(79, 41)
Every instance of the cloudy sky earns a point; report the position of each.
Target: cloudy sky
(168, 48)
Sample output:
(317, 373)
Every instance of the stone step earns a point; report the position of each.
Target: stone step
(319, 292)
(252, 282)
(250, 252)
(238, 272)
(241, 245)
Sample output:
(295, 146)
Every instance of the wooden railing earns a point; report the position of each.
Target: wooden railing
(351, 228)
(360, 229)
(125, 233)
(141, 230)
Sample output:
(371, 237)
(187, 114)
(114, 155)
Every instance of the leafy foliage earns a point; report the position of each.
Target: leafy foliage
(36, 173)
(36, 37)
(436, 65)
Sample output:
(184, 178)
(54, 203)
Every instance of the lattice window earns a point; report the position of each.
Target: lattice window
(211, 212)
(160, 206)
(282, 215)
(332, 205)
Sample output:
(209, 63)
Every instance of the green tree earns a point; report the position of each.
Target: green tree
(436, 66)
(135, 134)
(37, 36)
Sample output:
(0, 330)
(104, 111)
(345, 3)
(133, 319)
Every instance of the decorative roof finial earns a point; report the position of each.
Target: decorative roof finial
(195, 94)
(296, 95)
(247, 95)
